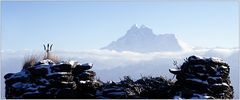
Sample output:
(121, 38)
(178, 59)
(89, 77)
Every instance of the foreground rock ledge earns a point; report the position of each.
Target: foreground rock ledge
(197, 77)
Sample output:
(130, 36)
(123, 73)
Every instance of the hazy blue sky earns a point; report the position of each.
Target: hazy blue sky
(92, 25)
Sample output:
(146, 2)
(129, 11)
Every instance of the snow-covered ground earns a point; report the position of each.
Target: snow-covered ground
(113, 65)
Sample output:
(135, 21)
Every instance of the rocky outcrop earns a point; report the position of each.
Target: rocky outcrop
(47, 79)
(197, 77)
(144, 88)
(203, 78)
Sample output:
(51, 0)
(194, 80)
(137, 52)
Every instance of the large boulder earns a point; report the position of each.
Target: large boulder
(47, 79)
(206, 77)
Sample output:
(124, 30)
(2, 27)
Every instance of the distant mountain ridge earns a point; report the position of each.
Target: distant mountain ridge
(142, 39)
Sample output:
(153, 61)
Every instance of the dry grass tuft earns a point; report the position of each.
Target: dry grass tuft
(29, 61)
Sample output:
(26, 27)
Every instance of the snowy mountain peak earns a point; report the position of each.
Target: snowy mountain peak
(136, 26)
(142, 39)
(143, 26)
(135, 30)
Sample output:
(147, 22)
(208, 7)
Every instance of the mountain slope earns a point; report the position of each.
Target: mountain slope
(142, 39)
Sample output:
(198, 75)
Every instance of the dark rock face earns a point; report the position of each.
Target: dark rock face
(203, 78)
(198, 77)
(144, 88)
(47, 79)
